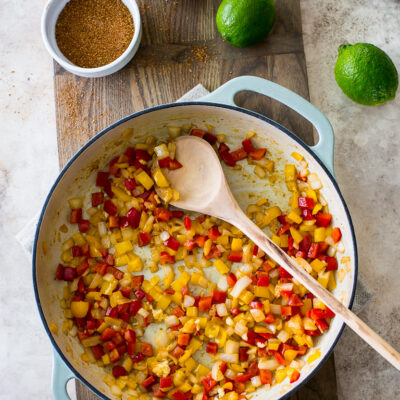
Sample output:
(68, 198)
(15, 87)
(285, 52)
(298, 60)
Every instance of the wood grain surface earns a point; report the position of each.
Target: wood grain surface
(181, 48)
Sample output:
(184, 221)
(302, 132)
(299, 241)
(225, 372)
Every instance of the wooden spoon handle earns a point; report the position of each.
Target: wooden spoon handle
(240, 220)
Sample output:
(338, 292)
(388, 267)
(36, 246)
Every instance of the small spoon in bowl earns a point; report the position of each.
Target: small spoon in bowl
(203, 188)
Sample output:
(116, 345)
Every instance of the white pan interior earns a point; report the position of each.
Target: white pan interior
(79, 175)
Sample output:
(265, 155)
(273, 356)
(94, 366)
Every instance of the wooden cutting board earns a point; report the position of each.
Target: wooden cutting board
(181, 48)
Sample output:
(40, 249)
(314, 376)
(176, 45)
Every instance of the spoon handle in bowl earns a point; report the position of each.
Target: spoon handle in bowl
(240, 220)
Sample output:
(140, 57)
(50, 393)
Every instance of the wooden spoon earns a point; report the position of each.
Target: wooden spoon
(203, 188)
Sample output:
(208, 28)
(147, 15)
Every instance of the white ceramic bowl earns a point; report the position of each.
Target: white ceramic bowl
(49, 18)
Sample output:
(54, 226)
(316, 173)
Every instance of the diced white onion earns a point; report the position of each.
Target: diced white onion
(161, 339)
(161, 151)
(232, 347)
(330, 241)
(164, 235)
(75, 203)
(230, 374)
(274, 273)
(246, 268)
(240, 329)
(221, 310)
(283, 336)
(275, 309)
(216, 372)
(188, 301)
(340, 247)
(232, 358)
(258, 315)
(271, 364)
(144, 313)
(240, 285)
(331, 251)
(286, 286)
(102, 228)
(223, 284)
(256, 381)
(314, 181)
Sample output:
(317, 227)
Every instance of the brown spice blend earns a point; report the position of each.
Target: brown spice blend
(93, 33)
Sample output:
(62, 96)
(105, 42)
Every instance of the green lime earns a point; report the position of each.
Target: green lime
(245, 22)
(366, 74)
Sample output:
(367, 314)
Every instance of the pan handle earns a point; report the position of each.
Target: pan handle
(225, 94)
(61, 375)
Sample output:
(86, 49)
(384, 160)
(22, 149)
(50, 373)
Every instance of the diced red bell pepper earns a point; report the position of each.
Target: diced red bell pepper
(187, 222)
(108, 334)
(212, 348)
(69, 274)
(113, 221)
(98, 351)
(134, 307)
(219, 297)
(166, 383)
(118, 371)
(126, 292)
(102, 178)
(322, 325)
(213, 233)
(130, 336)
(313, 251)
(239, 154)
(242, 378)
(109, 346)
(243, 355)
(295, 300)
(197, 132)
(332, 264)
(142, 155)
(329, 313)
(210, 138)
(166, 258)
(231, 279)
(269, 318)
(284, 274)
(282, 219)
(117, 339)
(140, 294)
(184, 339)
(200, 240)
(76, 216)
(174, 164)
(256, 305)
(144, 238)
(177, 352)
(323, 220)
(316, 313)
(283, 229)
(108, 190)
(323, 247)
(158, 393)
(252, 369)
(60, 272)
(172, 243)
(280, 359)
(248, 146)
(307, 214)
(295, 376)
(189, 244)
(137, 358)
(137, 281)
(148, 381)
(133, 216)
(116, 272)
(76, 251)
(178, 395)
(266, 376)
(178, 312)
(130, 183)
(263, 281)
(147, 349)
(162, 214)
(113, 169)
(258, 154)
(84, 225)
(208, 383)
(223, 147)
(286, 311)
(228, 158)
(336, 234)
(205, 303)
(112, 312)
(306, 202)
(164, 162)
(110, 208)
(97, 198)
(235, 256)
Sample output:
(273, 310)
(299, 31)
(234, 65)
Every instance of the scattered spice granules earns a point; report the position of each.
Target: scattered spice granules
(93, 33)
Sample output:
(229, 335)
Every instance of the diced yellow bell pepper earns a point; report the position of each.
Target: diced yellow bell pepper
(314, 356)
(197, 389)
(190, 364)
(317, 265)
(202, 322)
(307, 228)
(195, 344)
(93, 296)
(290, 355)
(290, 172)
(295, 217)
(108, 287)
(144, 180)
(177, 298)
(79, 239)
(307, 306)
(185, 356)
(121, 194)
(164, 302)
(115, 296)
(135, 263)
(284, 241)
(160, 179)
(294, 200)
(236, 244)
(189, 327)
(121, 260)
(221, 267)
(262, 291)
(222, 336)
(312, 194)
(280, 375)
(231, 396)
(274, 212)
(276, 240)
(319, 234)
(297, 236)
(123, 247)
(246, 296)
(317, 303)
(179, 283)
(273, 344)
(300, 339)
(297, 156)
(223, 240)
(211, 330)
(79, 309)
(127, 364)
(201, 370)
(323, 278)
(106, 359)
(332, 281)
(317, 208)
(192, 311)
